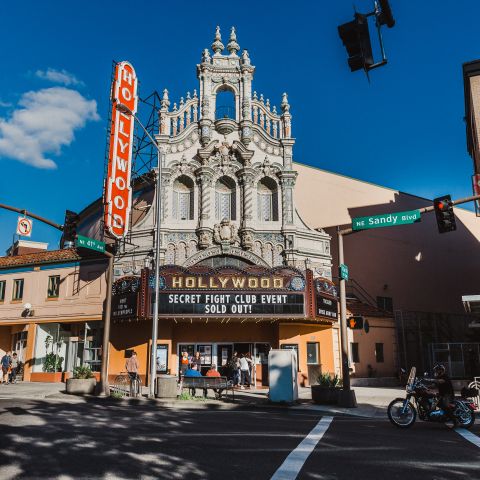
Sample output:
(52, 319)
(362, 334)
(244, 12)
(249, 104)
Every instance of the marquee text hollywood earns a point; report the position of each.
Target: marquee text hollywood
(226, 282)
(118, 192)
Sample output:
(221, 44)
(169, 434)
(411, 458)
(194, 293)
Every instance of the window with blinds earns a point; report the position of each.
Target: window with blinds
(267, 200)
(182, 204)
(225, 199)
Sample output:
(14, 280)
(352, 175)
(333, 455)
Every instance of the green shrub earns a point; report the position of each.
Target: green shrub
(329, 380)
(82, 372)
(116, 395)
(52, 363)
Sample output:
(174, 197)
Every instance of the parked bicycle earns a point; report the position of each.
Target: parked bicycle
(127, 384)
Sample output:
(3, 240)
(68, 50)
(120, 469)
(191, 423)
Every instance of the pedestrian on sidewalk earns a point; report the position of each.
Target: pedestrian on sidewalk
(184, 362)
(192, 372)
(6, 361)
(245, 371)
(213, 372)
(14, 368)
(235, 364)
(132, 366)
(197, 360)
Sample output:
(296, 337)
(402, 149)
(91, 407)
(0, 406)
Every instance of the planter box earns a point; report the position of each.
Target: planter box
(49, 377)
(325, 395)
(81, 386)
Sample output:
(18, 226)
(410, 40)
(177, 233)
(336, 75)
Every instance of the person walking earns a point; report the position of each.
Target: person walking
(14, 368)
(235, 362)
(244, 371)
(6, 361)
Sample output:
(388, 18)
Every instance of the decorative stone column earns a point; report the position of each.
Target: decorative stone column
(246, 177)
(287, 181)
(204, 177)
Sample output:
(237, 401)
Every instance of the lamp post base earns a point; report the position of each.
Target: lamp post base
(347, 399)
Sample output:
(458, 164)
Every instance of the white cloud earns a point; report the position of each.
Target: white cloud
(5, 104)
(58, 76)
(43, 122)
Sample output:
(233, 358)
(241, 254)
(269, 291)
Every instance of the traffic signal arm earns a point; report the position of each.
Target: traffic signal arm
(30, 214)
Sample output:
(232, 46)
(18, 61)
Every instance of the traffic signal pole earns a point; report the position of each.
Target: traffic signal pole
(347, 396)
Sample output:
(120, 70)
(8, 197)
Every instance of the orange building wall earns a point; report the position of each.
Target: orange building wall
(301, 334)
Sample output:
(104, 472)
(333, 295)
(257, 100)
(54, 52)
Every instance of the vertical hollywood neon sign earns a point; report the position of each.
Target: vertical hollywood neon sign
(118, 193)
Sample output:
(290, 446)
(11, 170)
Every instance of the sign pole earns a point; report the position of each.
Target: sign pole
(104, 386)
(158, 205)
(347, 396)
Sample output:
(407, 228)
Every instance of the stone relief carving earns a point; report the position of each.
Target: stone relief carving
(225, 233)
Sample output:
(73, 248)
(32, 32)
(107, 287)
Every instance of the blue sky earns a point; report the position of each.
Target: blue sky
(404, 129)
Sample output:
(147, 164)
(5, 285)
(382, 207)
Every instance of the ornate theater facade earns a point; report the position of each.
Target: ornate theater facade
(239, 269)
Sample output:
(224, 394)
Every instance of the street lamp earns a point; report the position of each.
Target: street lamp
(153, 360)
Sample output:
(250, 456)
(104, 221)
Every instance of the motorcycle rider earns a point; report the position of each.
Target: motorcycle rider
(445, 390)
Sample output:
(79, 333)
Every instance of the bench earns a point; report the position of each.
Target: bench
(208, 383)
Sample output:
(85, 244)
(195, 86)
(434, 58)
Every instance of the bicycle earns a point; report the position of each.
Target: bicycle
(126, 384)
(135, 384)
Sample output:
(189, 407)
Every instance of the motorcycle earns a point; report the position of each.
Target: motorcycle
(402, 412)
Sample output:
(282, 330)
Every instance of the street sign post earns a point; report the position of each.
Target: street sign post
(90, 243)
(24, 227)
(386, 220)
(343, 271)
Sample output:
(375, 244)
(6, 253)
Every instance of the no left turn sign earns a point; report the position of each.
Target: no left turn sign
(24, 227)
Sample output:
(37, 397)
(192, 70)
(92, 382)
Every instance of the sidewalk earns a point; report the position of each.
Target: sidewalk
(372, 401)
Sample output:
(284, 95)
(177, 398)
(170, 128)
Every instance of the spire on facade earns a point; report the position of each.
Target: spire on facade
(217, 45)
(285, 105)
(165, 101)
(233, 47)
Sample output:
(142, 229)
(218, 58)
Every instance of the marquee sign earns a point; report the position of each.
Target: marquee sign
(326, 298)
(118, 194)
(125, 297)
(256, 291)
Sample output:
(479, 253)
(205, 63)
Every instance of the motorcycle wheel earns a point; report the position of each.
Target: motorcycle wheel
(466, 420)
(399, 419)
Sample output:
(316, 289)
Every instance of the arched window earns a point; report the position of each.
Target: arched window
(267, 200)
(225, 205)
(183, 198)
(224, 104)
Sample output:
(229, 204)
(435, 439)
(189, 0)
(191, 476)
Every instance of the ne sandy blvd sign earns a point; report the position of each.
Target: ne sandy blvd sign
(386, 220)
(91, 243)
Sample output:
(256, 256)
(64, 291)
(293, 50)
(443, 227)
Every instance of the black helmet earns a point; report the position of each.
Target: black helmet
(439, 369)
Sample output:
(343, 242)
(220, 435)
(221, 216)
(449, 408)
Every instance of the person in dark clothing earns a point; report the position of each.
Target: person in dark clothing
(445, 390)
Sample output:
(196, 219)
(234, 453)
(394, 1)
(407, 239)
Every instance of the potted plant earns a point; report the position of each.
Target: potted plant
(326, 392)
(83, 381)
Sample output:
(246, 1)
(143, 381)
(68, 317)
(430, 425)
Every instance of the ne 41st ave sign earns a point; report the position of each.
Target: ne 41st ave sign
(386, 220)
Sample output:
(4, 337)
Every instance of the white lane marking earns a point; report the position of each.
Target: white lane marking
(292, 465)
(472, 438)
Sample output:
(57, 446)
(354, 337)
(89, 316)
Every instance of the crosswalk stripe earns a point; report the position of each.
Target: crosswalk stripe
(292, 465)
(472, 438)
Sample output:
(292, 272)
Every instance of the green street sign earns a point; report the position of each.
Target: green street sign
(91, 243)
(386, 220)
(343, 271)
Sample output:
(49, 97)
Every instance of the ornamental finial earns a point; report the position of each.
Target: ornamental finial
(285, 105)
(217, 45)
(233, 47)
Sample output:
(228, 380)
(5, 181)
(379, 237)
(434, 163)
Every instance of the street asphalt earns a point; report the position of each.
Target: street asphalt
(103, 439)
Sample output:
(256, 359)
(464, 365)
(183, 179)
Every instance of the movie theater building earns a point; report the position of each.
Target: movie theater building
(240, 270)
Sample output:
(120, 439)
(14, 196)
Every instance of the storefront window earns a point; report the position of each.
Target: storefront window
(312, 353)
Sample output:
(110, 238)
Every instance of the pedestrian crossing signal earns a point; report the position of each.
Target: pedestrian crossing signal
(355, 323)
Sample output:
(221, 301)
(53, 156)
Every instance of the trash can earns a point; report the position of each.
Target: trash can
(166, 386)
